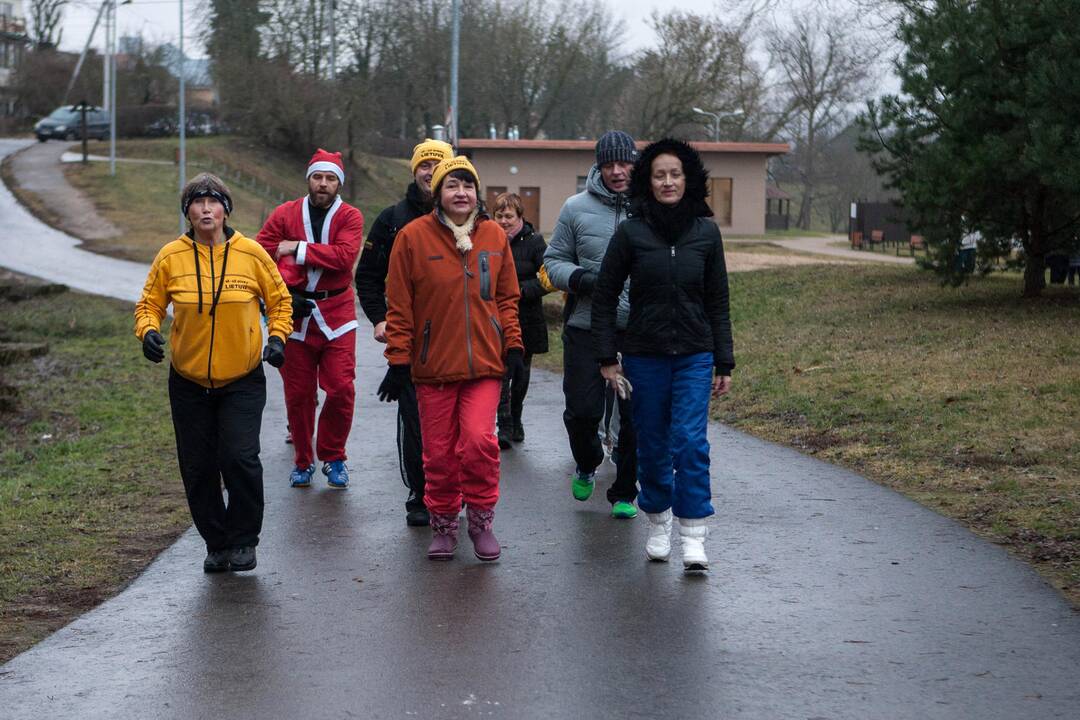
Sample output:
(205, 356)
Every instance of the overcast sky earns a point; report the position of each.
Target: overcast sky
(159, 20)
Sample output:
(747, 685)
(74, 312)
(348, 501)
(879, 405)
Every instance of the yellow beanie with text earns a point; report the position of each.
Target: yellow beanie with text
(450, 165)
(431, 150)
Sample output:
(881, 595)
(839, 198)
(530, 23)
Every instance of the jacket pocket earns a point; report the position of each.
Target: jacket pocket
(427, 342)
(498, 327)
(485, 275)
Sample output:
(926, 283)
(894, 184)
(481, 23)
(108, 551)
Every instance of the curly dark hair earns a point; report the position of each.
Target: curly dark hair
(695, 200)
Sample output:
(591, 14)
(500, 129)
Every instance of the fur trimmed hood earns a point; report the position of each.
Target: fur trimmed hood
(694, 202)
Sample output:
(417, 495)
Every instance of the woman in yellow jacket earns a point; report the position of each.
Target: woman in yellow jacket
(214, 277)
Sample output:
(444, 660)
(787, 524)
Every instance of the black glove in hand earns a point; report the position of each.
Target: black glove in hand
(515, 364)
(586, 282)
(274, 352)
(397, 378)
(301, 306)
(153, 346)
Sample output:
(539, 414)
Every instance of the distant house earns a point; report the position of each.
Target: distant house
(546, 172)
(13, 41)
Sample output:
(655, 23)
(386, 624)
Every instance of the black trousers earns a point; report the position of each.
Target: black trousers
(410, 448)
(217, 438)
(583, 386)
(513, 395)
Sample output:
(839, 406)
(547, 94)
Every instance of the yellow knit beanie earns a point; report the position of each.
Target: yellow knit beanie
(431, 150)
(450, 165)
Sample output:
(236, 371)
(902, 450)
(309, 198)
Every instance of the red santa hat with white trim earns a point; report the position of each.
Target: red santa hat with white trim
(326, 161)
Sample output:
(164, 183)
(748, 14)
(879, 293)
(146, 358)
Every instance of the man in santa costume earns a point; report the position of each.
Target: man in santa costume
(316, 241)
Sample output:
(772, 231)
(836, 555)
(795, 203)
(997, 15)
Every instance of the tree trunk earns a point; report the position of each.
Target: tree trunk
(1034, 275)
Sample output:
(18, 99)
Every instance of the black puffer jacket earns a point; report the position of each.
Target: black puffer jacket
(528, 249)
(375, 259)
(674, 257)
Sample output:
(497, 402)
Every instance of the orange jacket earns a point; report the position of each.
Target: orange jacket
(451, 316)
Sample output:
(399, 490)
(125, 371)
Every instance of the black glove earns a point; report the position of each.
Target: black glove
(515, 364)
(396, 380)
(153, 346)
(274, 352)
(301, 306)
(583, 283)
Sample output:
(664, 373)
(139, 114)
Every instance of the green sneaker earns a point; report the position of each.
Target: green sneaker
(581, 485)
(623, 510)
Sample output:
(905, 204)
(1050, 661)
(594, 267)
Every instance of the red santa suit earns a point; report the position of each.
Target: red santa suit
(321, 352)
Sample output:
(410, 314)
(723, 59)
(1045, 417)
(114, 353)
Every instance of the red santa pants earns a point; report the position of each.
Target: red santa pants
(330, 365)
(461, 453)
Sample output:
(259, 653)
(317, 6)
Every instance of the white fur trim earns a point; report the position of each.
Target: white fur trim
(326, 166)
(301, 252)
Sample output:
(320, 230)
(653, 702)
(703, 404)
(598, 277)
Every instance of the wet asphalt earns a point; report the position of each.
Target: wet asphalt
(829, 597)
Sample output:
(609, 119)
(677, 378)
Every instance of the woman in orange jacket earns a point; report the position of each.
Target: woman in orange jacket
(452, 325)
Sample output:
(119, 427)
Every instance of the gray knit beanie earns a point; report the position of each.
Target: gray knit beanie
(615, 146)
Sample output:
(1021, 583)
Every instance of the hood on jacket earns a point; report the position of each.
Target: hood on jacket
(595, 185)
(695, 199)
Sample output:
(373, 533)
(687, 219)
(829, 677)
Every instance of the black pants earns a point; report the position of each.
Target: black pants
(410, 448)
(513, 395)
(217, 438)
(583, 387)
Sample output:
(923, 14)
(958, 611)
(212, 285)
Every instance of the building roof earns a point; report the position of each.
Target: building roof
(590, 145)
(774, 193)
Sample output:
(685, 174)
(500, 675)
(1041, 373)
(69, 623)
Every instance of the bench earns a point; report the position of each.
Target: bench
(917, 242)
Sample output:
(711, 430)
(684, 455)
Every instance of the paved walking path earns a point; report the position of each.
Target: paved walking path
(38, 169)
(825, 246)
(830, 597)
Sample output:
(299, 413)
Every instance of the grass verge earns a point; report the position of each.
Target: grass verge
(966, 400)
(89, 494)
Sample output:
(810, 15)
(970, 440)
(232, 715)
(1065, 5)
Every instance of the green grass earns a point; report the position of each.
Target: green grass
(90, 492)
(966, 400)
(143, 200)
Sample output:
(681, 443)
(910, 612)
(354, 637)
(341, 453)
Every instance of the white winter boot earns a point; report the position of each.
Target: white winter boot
(658, 546)
(693, 534)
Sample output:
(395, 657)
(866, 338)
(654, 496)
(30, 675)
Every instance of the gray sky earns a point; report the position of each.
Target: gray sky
(159, 20)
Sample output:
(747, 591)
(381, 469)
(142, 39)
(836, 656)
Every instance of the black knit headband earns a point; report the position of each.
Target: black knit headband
(220, 197)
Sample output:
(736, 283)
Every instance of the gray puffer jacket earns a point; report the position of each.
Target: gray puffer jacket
(577, 246)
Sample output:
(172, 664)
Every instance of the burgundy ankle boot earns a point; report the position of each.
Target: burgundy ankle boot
(484, 543)
(444, 529)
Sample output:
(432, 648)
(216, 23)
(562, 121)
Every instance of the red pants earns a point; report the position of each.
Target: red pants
(461, 454)
(330, 365)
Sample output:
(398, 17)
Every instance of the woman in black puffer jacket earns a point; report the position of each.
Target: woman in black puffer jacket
(678, 350)
(528, 248)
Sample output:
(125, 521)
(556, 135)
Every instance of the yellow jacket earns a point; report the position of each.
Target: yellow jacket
(214, 343)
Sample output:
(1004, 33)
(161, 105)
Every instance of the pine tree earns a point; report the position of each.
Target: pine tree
(985, 133)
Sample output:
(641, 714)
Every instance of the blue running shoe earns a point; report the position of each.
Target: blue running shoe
(301, 477)
(337, 475)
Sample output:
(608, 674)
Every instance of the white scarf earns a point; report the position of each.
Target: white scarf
(462, 233)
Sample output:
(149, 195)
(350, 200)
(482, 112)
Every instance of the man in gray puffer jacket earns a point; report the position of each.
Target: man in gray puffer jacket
(576, 249)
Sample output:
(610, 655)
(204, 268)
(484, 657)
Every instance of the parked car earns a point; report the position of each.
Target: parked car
(65, 123)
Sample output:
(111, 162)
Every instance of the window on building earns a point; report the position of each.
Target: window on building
(720, 200)
(6, 10)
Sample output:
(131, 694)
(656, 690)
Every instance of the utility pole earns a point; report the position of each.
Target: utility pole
(85, 50)
(106, 75)
(183, 119)
(455, 50)
(112, 92)
(333, 44)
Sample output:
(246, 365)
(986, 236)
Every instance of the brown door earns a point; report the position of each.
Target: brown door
(530, 199)
(489, 199)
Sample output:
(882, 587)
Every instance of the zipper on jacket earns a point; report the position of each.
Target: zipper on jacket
(468, 328)
(498, 327)
(674, 295)
(213, 323)
(427, 342)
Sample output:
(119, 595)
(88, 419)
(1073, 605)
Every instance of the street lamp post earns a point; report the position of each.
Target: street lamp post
(182, 158)
(716, 119)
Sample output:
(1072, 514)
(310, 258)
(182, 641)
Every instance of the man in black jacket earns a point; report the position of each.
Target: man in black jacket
(371, 287)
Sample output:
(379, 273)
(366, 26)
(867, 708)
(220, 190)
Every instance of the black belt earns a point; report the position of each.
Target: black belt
(322, 294)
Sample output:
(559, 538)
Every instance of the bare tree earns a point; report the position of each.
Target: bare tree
(46, 17)
(821, 74)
